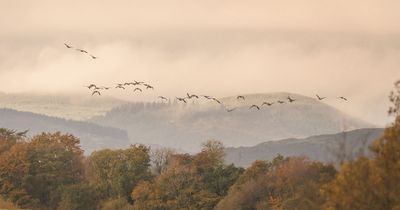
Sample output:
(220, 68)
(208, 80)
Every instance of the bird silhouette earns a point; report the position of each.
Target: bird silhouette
(121, 86)
(341, 97)
(137, 89)
(68, 46)
(181, 99)
(266, 103)
(291, 100)
(148, 86)
(96, 92)
(93, 57)
(320, 98)
(163, 98)
(231, 110)
(240, 97)
(207, 97)
(91, 86)
(216, 100)
(254, 106)
(83, 51)
(192, 96)
(281, 102)
(138, 83)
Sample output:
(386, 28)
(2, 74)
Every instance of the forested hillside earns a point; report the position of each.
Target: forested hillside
(323, 148)
(92, 136)
(185, 126)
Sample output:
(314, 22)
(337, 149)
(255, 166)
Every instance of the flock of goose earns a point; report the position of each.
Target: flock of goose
(139, 86)
(80, 50)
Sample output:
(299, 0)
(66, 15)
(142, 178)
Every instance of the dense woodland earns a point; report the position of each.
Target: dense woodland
(50, 171)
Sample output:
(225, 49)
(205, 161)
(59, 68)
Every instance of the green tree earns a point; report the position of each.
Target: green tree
(10, 137)
(32, 172)
(116, 172)
(284, 183)
(189, 182)
(14, 169)
(78, 197)
(116, 204)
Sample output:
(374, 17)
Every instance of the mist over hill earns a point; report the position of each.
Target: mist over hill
(324, 148)
(185, 126)
(92, 136)
(74, 107)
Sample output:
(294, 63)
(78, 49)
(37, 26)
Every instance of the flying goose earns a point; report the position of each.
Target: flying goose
(162, 98)
(181, 99)
(148, 86)
(231, 110)
(254, 106)
(192, 96)
(207, 97)
(96, 92)
(240, 97)
(91, 86)
(216, 100)
(138, 83)
(291, 99)
(266, 103)
(83, 51)
(320, 98)
(68, 46)
(121, 86)
(341, 97)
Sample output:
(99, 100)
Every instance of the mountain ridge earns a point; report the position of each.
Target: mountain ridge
(187, 125)
(92, 136)
(324, 148)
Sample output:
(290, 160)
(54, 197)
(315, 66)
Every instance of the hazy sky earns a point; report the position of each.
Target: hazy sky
(218, 47)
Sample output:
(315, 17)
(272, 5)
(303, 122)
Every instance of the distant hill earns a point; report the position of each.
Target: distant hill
(92, 136)
(186, 126)
(74, 107)
(323, 148)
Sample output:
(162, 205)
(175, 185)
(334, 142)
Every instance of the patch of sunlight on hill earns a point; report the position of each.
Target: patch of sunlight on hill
(72, 107)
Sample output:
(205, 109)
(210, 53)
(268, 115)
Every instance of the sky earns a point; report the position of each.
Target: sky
(335, 48)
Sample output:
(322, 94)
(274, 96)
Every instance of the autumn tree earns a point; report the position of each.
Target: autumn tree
(80, 196)
(394, 98)
(371, 183)
(32, 172)
(160, 158)
(14, 169)
(10, 137)
(116, 172)
(284, 183)
(189, 181)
